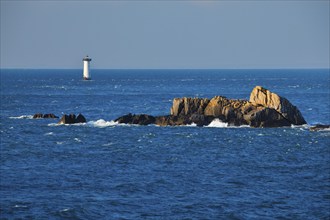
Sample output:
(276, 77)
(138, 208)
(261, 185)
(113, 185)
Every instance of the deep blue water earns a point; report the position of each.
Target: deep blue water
(100, 170)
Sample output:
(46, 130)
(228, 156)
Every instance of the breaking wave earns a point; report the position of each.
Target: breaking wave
(217, 123)
(102, 123)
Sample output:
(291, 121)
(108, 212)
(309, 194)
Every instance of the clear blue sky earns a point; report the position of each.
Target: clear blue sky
(165, 34)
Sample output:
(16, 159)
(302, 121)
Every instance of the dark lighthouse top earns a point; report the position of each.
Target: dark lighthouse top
(87, 58)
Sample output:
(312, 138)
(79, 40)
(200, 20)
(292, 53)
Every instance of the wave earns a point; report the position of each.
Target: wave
(22, 117)
(102, 123)
(217, 123)
(304, 126)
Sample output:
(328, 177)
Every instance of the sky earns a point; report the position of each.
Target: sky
(165, 34)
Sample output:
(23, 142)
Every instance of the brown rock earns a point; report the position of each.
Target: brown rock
(38, 115)
(262, 96)
(188, 106)
(216, 105)
(265, 109)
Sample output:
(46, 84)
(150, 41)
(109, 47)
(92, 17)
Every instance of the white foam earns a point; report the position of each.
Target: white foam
(62, 124)
(304, 126)
(22, 117)
(191, 125)
(102, 123)
(217, 123)
(244, 126)
(54, 124)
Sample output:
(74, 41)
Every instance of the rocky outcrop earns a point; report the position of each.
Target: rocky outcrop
(263, 97)
(72, 119)
(319, 127)
(40, 115)
(264, 109)
(136, 119)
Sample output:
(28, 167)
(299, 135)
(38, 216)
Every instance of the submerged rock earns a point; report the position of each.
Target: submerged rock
(72, 119)
(264, 109)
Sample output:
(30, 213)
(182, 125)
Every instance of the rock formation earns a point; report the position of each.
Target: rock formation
(264, 109)
(262, 96)
(40, 115)
(72, 119)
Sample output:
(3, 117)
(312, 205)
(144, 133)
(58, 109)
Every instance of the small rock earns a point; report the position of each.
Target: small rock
(50, 115)
(319, 127)
(72, 119)
(40, 115)
(80, 119)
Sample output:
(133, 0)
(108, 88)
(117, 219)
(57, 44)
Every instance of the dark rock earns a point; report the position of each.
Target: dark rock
(267, 117)
(72, 119)
(142, 119)
(171, 120)
(50, 115)
(67, 119)
(80, 119)
(319, 127)
(40, 115)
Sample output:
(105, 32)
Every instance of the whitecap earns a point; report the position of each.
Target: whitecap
(77, 139)
(217, 123)
(22, 117)
(49, 133)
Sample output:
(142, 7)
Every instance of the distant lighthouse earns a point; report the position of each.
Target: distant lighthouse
(86, 73)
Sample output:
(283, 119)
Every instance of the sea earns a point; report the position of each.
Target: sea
(104, 170)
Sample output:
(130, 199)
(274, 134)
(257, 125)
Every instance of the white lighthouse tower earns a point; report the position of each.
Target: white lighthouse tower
(86, 73)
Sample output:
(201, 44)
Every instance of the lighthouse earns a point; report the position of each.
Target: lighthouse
(86, 73)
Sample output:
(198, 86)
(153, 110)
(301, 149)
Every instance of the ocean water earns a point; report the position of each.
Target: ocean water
(102, 170)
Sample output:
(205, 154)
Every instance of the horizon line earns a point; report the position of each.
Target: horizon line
(257, 68)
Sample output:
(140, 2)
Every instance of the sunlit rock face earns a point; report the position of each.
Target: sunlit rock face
(264, 109)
